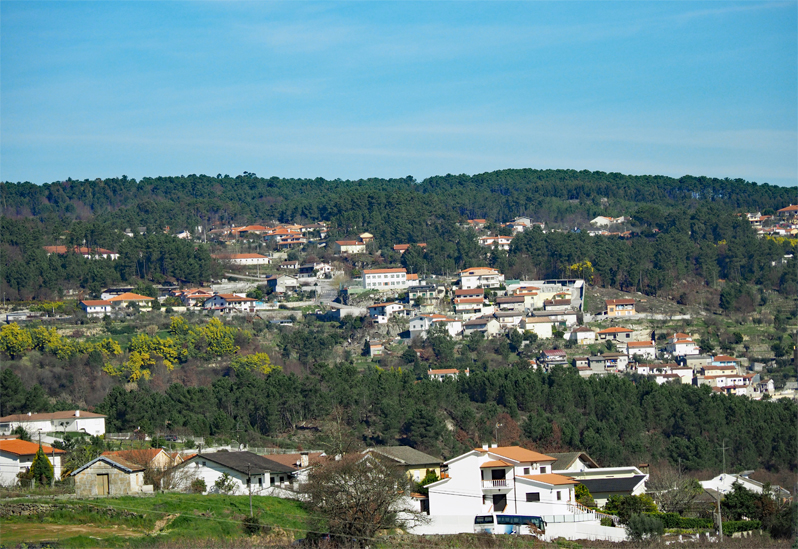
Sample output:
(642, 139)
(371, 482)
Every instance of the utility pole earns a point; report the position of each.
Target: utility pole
(720, 522)
(724, 448)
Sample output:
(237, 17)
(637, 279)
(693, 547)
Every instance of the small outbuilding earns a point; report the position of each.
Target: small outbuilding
(109, 476)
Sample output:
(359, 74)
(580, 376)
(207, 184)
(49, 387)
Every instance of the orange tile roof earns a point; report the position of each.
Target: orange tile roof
(725, 358)
(480, 291)
(516, 453)
(639, 344)
(25, 448)
(444, 371)
(291, 460)
(619, 301)
(412, 277)
(615, 330)
(479, 270)
(552, 478)
(95, 302)
(459, 300)
(790, 208)
(130, 296)
(494, 463)
(141, 457)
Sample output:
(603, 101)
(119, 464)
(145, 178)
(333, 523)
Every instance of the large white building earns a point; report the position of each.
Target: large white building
(480, 277)
(385, 279)
(72, 421)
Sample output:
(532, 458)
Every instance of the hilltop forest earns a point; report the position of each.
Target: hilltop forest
(683, 227)
(681, 232)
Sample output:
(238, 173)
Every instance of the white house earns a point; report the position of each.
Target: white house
(582, 336)
(485, 324)
(227, 302)
(680, 344)
(646, 350)
(422, 323)
(724, 483)
(281, 284)
(444, 373)
(349, 247)
(96, 307)
(480, 277)
(510, 481)
(385, 309)
(16, 456)
(243, 259)
(245, 469)
(543, 326)
(72, 421)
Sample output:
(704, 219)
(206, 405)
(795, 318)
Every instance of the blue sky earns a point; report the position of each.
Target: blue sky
(390, 89)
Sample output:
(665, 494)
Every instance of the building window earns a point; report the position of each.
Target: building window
(559, 495)
(526, 470)
(533, 496)
(271, 480)
(543, 470)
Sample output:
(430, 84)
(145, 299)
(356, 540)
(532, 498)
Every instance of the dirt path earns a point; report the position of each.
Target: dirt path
(13, 533)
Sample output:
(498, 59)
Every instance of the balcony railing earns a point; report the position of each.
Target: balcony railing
(498, 483)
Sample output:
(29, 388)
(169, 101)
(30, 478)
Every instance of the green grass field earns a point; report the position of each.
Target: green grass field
(163, 519)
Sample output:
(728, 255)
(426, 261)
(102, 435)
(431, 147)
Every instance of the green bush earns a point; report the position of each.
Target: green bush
(644, 526)
(734, 526)
(198, 486)
(673, 520)
(251, 525)
(607, 521)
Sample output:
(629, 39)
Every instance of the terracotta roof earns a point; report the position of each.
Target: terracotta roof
(349, 243)
(459, 300)
(381, 271)
(412, 277)
(69, 414)
(516, 453)
(790, 208)
(77, 249)
(234, 298)
(615, 330)
(639, 344)
(142, 456)
(494, 463)
(293, 460)
(725, 358)
(130, 296)
(478, 271)
(117, 461)
(551, 478)
(619, 301)
(404, 247)
(96, 303)
(25, 448)
(444, 371)
(479, 291)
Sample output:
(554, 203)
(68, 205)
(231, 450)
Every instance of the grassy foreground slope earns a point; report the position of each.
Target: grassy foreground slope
(162, 519)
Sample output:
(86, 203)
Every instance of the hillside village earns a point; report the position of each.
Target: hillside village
(354, 278)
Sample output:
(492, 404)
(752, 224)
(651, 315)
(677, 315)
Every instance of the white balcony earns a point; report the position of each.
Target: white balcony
(496, 484)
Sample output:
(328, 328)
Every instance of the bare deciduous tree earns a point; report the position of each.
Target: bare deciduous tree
(673, 492)
(356, 497)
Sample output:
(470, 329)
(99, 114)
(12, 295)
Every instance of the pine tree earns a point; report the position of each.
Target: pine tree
(41, 469)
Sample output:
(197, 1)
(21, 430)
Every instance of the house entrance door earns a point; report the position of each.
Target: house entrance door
(102, 485)
(499, 502)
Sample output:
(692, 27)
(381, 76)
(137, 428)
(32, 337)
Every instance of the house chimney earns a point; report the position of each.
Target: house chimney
(484, 446)
(303, 459)
(77, 413)
(494, 445)
(29, 413)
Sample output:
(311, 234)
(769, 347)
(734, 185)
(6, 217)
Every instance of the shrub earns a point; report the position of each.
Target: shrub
(198, 486)
(673, 520)
(642, 526)
(251, 525)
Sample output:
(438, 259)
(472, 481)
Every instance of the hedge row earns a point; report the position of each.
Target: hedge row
(673, 520)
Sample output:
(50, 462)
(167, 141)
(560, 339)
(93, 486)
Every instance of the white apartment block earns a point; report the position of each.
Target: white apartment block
(385, 279)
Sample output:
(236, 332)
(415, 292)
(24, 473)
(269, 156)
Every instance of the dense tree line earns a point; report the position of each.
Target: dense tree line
(617, 420)
(30, 273)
